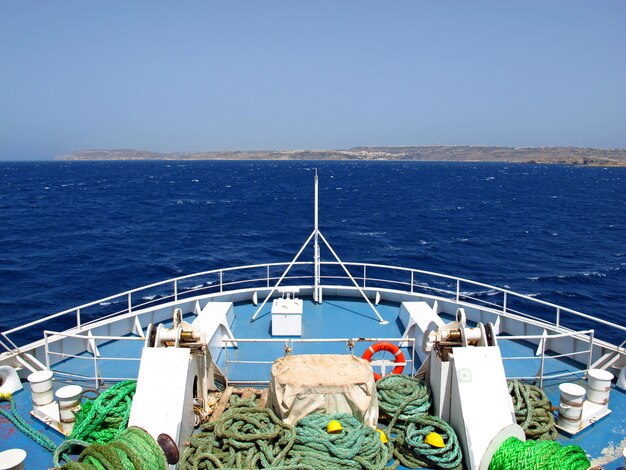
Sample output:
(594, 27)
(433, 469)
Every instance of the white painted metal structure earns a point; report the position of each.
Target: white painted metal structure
(317, 290)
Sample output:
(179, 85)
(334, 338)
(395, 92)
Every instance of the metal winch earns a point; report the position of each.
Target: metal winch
(442, 339)
(181, 334)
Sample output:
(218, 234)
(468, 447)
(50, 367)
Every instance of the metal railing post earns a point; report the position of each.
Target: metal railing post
(558, 318)
(45, 348)
(412, 278)
(95, 371)
(544, 341)
(504, 303)
(591, 337)
(175, 290)
(130, 302)
(78, 319)
(221, 280)
(458, 290)
(225, 346)
(267, 276)
(364, 275)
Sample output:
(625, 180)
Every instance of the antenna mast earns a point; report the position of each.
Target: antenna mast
(316, 248)
(317, 290)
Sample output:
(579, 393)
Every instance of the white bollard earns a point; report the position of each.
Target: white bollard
(12, 459)
(599, 386)
(571, 406)
(41, 387)
(69, 404)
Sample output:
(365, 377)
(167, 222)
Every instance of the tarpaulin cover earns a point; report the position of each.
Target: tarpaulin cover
(325, 383)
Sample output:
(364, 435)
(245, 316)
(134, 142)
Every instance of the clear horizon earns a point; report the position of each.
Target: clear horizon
(257, 75)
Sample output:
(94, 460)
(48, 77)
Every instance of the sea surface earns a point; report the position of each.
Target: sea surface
(73, 232)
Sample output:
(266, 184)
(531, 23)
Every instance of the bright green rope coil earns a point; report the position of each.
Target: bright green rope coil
(514, 454)
(132, 449)
(245, 436)
(99, 421)
(413, 452)
(357, 446)
(532, 411)
(19, 422)
(401, 398)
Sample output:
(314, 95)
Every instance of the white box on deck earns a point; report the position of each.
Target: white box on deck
(287, 317)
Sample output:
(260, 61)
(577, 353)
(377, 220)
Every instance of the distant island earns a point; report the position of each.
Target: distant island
(446, 153)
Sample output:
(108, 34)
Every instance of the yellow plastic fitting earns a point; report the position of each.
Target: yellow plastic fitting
(334, 427)
(434, 440)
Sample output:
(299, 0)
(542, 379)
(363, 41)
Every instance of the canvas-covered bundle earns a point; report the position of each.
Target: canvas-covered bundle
(324, 383)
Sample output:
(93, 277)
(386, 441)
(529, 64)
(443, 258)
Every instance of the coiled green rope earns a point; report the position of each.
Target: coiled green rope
(405, 402)
(413, 452)
(132, 449)
(401, 397)
(538, 455)
(357, 446)
(246, 436)
(19, 422)
(532, 411)
(100, 421)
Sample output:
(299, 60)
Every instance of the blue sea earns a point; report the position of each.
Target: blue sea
(73, 232)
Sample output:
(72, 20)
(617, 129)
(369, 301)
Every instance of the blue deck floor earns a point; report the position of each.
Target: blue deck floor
(335, 318)
(340, 319)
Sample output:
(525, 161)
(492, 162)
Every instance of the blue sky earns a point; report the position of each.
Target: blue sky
(186, 76)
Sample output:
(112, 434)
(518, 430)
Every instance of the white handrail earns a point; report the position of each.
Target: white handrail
(583, 335)
(66, 334)
(175, 283)
(47, 334)
(314, 340)
(350, 342)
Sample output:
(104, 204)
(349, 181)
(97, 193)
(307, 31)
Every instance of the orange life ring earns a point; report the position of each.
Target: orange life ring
(382, 346)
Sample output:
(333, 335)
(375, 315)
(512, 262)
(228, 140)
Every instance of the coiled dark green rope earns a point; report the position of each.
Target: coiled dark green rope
(100, 421)
(400, 398)
(538, 455)
(533, 411)
(245, 436)
(132, 449)
(356, 447)
(405, 401)
(66, 448)
(413, 452)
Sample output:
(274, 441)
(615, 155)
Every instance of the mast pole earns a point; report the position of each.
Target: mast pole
(316, 247)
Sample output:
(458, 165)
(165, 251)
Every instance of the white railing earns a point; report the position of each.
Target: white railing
(395, 278)
(98, 378)
(585, 335)
(289, 349)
